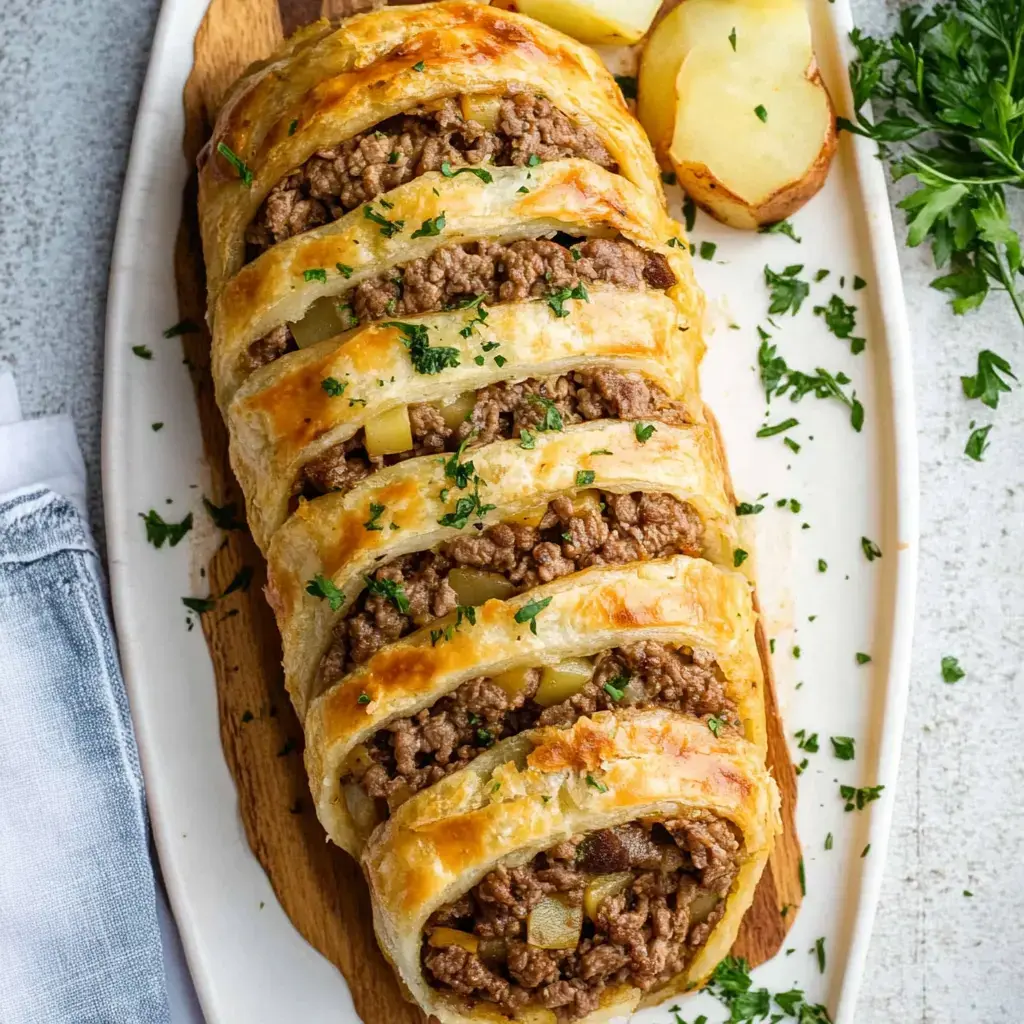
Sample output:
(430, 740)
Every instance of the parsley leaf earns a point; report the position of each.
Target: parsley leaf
(142, 351)
(787, 290)
(841, 319)
(951, 670)
(843, 747)
(530, 611)
(552, 417)
(159, 532)
(762, 114)
(388, 589)
(323, 588)
(987, 384)
(373, 523)
(224, 516)
(426, 358)
(181, 327)
(977, 443)
(485, 176)
(315, 274)
(744, 508)
(739, 556)
(584, 477)
(643, 431)
(430, 227)
(237, 162)
(870, 548)
(334, 387)
(388, 228)
(594, 784)
(716, 724)
(780, 227)
(859, 798)
(527, 440)
(199, 604)
(616, 687)
(557, 300)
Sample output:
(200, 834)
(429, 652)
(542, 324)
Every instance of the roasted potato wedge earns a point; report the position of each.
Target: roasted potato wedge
(751, 133)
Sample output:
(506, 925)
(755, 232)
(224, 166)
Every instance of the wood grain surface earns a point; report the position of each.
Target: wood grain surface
(320, 887)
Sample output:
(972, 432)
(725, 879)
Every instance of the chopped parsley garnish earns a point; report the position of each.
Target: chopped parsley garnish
(159, 532)
(363, 698)
(859, 797)
(791, 445)
(778, 428)
(430, 227)
(388, 228)
(841, 320)
(828, 841)
(557, 300)
(181, 327)
(485, 176)
(552, 417)
(862, 659)
(199, 604)
(237, 162)
(224, 516)
(977, 443)
(805, 741)
(822, 565)
(602, 451)
(821, 275)
(987, 384)
(530, 611)
(388, 589)
(419, 66)
(527, 440)
(426, 358)
(627, 84)
(819, 949)
(334, 387)
(787, 290)
(293, 126)
(796, 651)
(241, 581)
(739, 556)
(643, 431)
(689, 212)
(522, 190)
(870, 548)
(716, 724)
(951, 670)
(484, 737)
(707, 250)
(157, 426)
(321, 587)
(393, 156)
(373, 523)
(315, 274)
(584, 477)
(676, 243)
(843, 747)
(732, 39)
(744, 508)
(344, 269)
(762, 114)
(457, 470)
(616, 687)
(142, 351)
(594, 784)
(778, 379)
(781, 227)
(480, 317)
(533, 160)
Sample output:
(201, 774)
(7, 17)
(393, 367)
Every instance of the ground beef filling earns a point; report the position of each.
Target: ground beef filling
(500, 412)
(413, 590)
(452, 275)
(412, 753)
(682, 869)
(336, 180)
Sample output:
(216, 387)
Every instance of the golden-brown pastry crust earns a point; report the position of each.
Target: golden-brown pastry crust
(281, 418)
(539, 789)
(574, 196)
(678, 601)
(326, 88)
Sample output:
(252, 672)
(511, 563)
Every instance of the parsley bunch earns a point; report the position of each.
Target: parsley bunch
(947, 91)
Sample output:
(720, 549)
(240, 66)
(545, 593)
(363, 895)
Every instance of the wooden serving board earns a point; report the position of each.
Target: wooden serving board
(320, 887)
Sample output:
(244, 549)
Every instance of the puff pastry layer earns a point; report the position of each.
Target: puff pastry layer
(585, 449)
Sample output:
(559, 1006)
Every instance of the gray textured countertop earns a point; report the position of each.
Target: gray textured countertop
(70, 75)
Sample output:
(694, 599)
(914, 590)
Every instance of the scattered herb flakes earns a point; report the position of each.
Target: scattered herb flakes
(156, 426)
(479, 318)
(786, 289)
(870, 548)
(419, 66)
(224, 516)
(363, 698)
(791, 445)
(530, 611)
(426, 358)
(324, 589)
(803, 878)
(484, 175)
(159, 532)
(584, 477)
(780, 227)
(732, 39)
(843, 747)
(707, 250)
(822, 565)
(388, 228)
(334, 387)
(762, 114)
(689, 212)
(552, 417)
(967, 892)
(247, 716)
(744, 508)
(430, 227)
(457, 470)
(557, 300)
(796, 652)
(315, 274)
(344, 269)
(142, 351)
(828, 841)
(951, 670)
(391, 591)
(841, 319)
(716, 724)
(778, 379)
(602, 451)
(237, 162)
(807, 742)
(677, 243)
(627, 85)
(527, 439)
(616, 687)
(373, 524)
(595, 784)
(241, 581)
(199, 604)
(180, 328)
(987, 384)
(865, 851)
(862, 659)
(643, 431)
(977, 443)
(739, 556)
(778, 428)
(293, 126)
(820, 275)
(522, 190)
(857, 798)
(819, 950)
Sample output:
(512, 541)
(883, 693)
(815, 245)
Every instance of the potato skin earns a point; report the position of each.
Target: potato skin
(717, 199)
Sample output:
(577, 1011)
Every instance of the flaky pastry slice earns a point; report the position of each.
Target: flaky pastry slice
(528, 865)
(686, 609)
